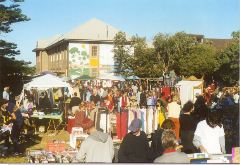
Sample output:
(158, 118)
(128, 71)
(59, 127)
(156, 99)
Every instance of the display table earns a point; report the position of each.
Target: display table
(212, 158)
(55, 120)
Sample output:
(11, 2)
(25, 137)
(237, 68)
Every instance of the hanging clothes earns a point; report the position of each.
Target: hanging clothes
(143, 112)
(149, 120)
(161, 115)
(166, 90)
(122, 124)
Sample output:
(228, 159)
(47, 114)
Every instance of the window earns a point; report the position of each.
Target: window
(94, 51)
(94, 72)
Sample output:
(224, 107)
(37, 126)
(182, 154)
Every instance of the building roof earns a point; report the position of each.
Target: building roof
(219, 43)
(92, 30)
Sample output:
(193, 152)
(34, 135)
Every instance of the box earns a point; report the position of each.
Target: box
(55, 146)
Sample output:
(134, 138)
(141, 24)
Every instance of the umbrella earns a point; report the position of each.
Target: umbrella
(83, 77)
(110, 76)
(133, 78)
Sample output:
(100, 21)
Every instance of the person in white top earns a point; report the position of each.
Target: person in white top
(174, 110)
(209, 136)
(236, 97)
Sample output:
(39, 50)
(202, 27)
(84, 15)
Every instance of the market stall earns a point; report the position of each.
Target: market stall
(189, 88)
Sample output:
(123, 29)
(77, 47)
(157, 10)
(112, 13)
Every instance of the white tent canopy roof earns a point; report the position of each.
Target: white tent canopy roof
(187, 90)
(45, 82)
(110, 76)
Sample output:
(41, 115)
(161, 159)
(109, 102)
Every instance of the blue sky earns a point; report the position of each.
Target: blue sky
(213, 18)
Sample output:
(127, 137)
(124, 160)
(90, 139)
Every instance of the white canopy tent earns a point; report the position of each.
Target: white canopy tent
(110, 76)
(45, 82)
(188, 90)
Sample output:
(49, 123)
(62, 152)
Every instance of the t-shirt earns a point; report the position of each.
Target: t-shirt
(174, 110)
(210, 137)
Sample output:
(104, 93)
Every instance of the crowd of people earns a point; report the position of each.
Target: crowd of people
(209, 125)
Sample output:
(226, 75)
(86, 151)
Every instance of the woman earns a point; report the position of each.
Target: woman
(200, 108)
(209, 136)
(188, 125)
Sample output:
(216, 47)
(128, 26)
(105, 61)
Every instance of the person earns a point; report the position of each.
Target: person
(173, 113)
(188, 126)
(17, 120)
(134, 147)
(95, 97)
(200, 108)
(236, 96)
(156, 148)
(44, 102)
(143, 99)
(6, 93)
(6, 119)
(171, 155)
(209, 136)
(97, 147)
(75, 102)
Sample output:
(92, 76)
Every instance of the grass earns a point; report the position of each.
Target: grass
(62, 135)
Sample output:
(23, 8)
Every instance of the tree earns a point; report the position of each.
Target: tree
(10, 13)
(228, 72)
(122, 53)
(170, 49)
(144, 61)
(200, 61)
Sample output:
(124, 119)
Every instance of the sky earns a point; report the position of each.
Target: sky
(212, 18)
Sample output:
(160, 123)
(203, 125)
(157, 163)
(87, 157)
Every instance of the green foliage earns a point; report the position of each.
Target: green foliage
(144, 62)
(10, 13)
(228, 73)
(12, 72)
(171, 48)
(200, 61)
(121, 52)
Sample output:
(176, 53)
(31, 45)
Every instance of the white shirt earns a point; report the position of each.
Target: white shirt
(174, 110)
(5, 95)
(236, 98)
(210, 137)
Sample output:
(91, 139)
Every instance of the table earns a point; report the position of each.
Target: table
(55, 120)
(212, 158)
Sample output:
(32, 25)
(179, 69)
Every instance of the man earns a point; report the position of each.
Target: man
(6, 93)
(171, 155)
(134, 147)
(95, 97)
(97, 147)
(75, 102)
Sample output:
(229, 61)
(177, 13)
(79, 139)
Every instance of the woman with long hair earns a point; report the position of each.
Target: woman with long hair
(209, 136)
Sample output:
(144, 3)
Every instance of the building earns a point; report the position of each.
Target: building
(86, 50)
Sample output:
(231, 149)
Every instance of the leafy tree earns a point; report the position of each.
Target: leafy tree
(10, 13)
(201, 61)
(228, 73)
(122, 52)
(144, 62)
(11, 70)
(170, 49)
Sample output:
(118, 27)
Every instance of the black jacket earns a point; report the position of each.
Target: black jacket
(134, 149)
